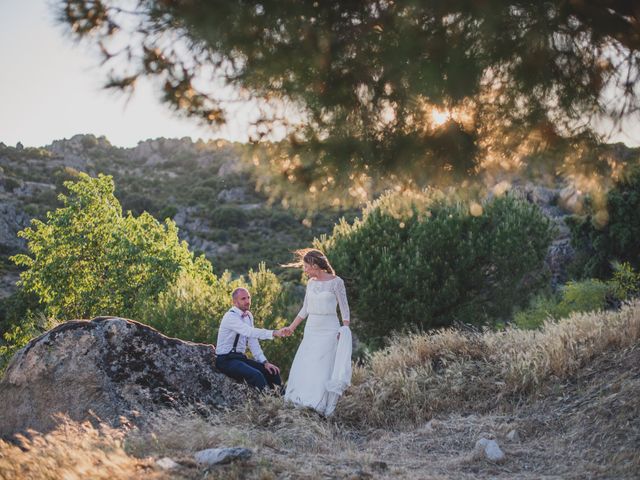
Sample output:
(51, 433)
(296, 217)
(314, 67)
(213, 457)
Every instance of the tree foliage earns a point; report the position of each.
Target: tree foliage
(608, 236)
(89, 259)
(430, 260)
(376, 90)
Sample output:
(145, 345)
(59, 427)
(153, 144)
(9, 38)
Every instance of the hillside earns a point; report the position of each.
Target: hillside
(561, 403)
(202, 186)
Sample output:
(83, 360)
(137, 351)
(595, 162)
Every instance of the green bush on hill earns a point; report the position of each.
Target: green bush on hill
(618, 240)
(429, 260)
(588, 295)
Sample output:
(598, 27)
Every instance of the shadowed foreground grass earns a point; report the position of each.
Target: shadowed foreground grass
(571, 392)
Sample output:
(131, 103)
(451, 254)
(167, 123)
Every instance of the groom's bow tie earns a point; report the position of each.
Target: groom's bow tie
(245, 314)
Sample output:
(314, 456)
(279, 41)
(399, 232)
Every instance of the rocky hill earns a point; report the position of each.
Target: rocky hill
(202, 186)
(211, 195)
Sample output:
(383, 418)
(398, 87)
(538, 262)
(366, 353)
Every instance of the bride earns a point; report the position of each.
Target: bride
(321, 369)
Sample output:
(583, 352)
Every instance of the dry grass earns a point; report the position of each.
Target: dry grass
(73, 451)
(418, 376)
(571, 391)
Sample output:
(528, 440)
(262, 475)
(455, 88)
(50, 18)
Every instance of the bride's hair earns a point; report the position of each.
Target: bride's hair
(312, 256)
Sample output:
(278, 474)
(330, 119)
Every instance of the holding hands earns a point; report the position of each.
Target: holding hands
(283, 332)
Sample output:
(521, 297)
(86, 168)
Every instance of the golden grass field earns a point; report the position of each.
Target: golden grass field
(415, 410)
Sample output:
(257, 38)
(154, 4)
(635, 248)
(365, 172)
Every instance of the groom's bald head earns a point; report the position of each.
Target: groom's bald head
(241, 298)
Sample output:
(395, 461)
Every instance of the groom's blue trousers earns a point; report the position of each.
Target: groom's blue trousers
(241, 368)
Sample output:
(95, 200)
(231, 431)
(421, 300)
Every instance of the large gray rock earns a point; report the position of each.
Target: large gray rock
(112, 367)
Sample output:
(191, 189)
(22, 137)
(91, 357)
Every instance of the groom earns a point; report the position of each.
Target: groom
(235, 334)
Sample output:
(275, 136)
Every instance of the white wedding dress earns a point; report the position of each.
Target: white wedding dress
(321, 369)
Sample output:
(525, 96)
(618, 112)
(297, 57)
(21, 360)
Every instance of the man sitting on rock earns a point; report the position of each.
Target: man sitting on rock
(235, 334)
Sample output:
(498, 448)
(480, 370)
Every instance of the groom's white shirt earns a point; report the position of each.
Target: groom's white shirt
(233, 323)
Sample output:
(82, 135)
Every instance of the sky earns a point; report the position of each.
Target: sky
(51, 88)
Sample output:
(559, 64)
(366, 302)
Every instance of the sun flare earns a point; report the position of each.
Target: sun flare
(439, 117)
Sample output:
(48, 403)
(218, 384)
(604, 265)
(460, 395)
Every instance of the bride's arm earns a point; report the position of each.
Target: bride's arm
(302, 314)
(341, 295)
(298, 320)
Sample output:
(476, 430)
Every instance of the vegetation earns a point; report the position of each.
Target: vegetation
(20, 333)
(409, 91)
(582, 296)
(189, 181)
(420, 375)
(191, 309)
(89, 259)
(603, 237)
(444, 259)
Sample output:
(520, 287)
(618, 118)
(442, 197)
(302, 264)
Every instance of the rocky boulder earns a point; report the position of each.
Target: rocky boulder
(108, 368)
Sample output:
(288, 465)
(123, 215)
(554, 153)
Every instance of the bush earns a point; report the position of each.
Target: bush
(425, 261)
(10, 184)
(598, 247)
(15, 308)
(625, 283)
(589, 295)
(228, 216)
(168, 211)
(541, 308)
(138, 203)
(191, 308)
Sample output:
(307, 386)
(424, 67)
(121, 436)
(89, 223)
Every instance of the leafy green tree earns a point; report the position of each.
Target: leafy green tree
(430, 260)
(379, 89)
(89, 259)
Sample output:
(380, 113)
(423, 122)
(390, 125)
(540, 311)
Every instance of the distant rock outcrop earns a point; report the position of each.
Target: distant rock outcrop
(112, 367)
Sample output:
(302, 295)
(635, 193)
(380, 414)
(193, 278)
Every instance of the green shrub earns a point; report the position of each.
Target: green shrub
(17, 307)
(32, 210)
(584, 296)
(424, 261)
(168, 211)
(625, 282)
(541, 308)
(280, 219)
(138, 203)
(226, 216)
(192, 308)
(598, 247)
(10, 184)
